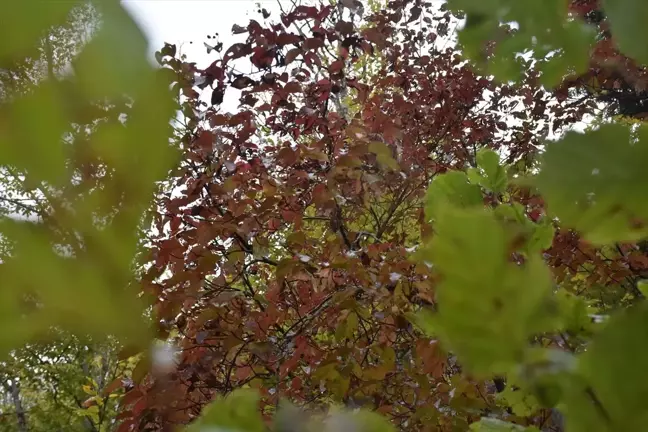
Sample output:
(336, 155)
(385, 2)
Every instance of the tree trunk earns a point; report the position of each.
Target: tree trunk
(21, 416)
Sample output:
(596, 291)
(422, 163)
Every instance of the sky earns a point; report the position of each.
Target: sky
(183, 21)
(187, 23)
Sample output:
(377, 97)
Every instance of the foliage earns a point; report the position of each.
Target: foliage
(84, 176)
(379, 225)
(70, 207)
(283, 257)
(63, 384)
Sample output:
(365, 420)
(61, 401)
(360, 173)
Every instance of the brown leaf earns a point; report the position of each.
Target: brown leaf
(344, 27)
(217, 96)
(237, 29)
(242, 81)
(292, 55)
(292, 87)
(131, 397)
(113, 386)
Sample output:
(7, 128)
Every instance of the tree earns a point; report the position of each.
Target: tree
(46, 384)
(617, 80)
(283, 256)
(89, 139)
(62, 384)
(384, 223)
(73, 98)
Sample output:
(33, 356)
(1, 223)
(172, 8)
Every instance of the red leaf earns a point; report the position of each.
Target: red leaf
(274, 224)
(296, 384)
(139, 406)
(218, 120)
(124, 415)
(344, 27)
(215, 72)
(415, 13)
(313, 43)
(131, 397)
(321, 195)
(374, 36)
(217, 95)
(237, 50)
(126, 426)
(336, 66)
(287, 39)
(262, 57)
(205, 140)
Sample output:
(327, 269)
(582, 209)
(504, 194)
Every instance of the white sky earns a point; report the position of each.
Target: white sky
(181, 21)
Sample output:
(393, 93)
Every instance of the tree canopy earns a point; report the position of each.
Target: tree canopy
(421, 216)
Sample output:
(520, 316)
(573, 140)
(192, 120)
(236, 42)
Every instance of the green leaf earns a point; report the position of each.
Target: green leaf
(495, 178)
(612, 366)
(488, 306)
(595, 183)
(545, 32)
(643, 287)
(628, 25)
(368, 421)
(494, 425)
(97, 231)
(347, 327)
(115, 61)
(45, 140)
(541, 237)
(383, 155)
(22, 28)
(452, 188)
(423, 320)
(237, 412)
(521, 402)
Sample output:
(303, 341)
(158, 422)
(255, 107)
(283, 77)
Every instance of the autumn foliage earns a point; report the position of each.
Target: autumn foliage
(400, 215)
(283, 253)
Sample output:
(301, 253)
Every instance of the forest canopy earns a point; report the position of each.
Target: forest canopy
(415, 216)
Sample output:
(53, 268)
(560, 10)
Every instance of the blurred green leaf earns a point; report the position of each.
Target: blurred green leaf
(495, 178)
(544, 31)
(22, 26)
(494, 425)
(115, 61)
(113, 112)
(616, 393)
(595, 183)
(488, 306)
(238, 411)
(628, 24)
(452, 188)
